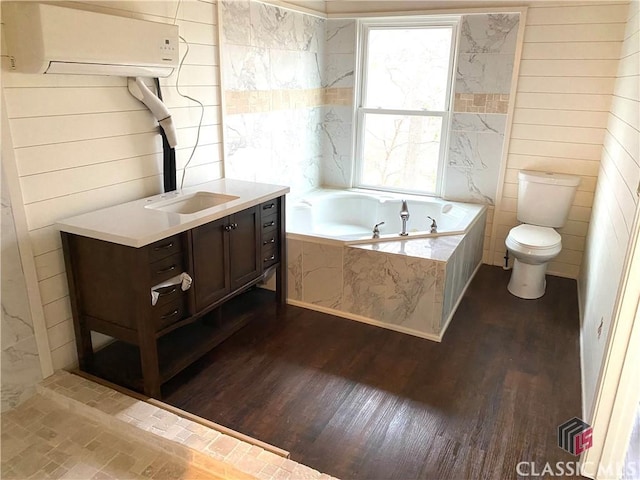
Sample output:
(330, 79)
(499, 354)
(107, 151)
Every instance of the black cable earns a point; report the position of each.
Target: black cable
(168, 155)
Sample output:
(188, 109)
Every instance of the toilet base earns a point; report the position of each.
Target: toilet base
(527, 281)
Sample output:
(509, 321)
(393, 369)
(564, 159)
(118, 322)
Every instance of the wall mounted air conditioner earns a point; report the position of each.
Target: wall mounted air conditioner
(45, 38)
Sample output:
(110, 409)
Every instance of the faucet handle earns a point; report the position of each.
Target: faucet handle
(434, 225)
(376, 230)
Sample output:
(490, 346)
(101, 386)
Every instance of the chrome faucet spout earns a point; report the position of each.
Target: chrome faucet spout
(404, 215)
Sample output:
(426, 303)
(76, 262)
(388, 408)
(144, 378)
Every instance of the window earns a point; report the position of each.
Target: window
(403, 106)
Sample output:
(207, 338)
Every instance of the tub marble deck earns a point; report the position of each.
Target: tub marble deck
(435, 248)
(411, 286)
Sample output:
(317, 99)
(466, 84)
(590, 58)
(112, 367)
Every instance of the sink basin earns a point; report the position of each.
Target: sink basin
(192, 203)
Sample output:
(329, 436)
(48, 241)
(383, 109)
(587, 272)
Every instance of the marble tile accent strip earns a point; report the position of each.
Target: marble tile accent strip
(338, 96)
(481, 102)
(189, 445)
(258, 101)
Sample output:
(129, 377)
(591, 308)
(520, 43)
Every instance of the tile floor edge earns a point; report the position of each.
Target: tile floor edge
(179, 437)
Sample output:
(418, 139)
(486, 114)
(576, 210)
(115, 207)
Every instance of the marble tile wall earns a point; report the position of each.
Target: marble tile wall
(337, 124)
(279, 147)
(268, 51)
(20, 363)
(486, 56)
(410, 285)
(475, 151)
(486, 53)
(272, 61)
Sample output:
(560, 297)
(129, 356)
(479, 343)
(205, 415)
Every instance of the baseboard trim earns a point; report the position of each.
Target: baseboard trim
(362, 319)
(581, 341)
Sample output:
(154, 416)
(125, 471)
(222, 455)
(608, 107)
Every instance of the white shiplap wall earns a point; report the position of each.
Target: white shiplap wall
(83, 143)
(613, 210)
(567, 74)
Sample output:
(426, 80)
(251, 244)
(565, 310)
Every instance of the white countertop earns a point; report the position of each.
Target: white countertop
(135, 225)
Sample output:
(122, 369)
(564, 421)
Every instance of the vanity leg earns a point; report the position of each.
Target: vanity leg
(150, 370)
(147, 342)
(281, 269)
(84, 346)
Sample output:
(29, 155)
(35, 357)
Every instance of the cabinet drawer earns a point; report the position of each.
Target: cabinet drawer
(269, 208)
(165, 248)
(168, 294)
(169, 313)
(269, 239)
(269, 256)
(269, 224)
(166, 268)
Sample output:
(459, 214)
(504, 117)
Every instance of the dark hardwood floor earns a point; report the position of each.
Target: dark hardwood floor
(361, 402)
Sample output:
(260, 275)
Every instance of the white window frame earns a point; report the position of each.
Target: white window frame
(399, 23)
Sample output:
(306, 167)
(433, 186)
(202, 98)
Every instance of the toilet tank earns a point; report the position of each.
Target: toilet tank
(545, 198)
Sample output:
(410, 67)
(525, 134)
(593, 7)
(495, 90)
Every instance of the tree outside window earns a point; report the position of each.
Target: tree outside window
(406, 73)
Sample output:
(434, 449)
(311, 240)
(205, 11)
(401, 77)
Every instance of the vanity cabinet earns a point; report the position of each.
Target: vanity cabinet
(110, 290)
(226, 256)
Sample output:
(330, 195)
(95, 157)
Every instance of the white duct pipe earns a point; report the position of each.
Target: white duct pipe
(138, 89)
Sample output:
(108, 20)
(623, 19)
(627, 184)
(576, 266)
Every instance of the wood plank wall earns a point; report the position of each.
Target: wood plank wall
(83, 143)
(567, 74)
(616, 200)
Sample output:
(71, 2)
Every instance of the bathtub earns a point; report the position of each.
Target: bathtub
(349, 216)
(411, 284)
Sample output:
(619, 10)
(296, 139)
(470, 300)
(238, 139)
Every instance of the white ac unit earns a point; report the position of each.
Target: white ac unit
(45, 38)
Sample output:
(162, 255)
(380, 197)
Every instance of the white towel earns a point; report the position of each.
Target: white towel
(184, 279)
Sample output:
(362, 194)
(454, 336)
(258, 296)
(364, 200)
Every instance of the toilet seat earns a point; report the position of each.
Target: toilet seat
(533, 238)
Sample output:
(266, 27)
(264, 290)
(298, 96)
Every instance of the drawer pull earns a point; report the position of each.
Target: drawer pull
(169, 315)
(164, 294)
(267, 242)
(268, 207)
(163, 247)
(268, 259)
(269, 224)
(165, 270)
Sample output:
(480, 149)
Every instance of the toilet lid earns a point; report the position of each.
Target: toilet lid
(533, 236)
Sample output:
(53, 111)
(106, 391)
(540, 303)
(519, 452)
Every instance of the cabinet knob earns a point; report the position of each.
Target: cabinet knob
(228, 228)
(234, 226)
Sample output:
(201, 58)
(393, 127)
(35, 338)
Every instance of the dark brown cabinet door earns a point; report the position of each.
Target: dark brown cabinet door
(211, 279)
(244, 247)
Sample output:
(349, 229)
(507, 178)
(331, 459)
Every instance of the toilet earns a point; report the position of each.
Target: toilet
(544, 200)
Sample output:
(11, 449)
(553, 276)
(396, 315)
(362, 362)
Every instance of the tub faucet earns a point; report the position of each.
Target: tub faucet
(434, 225)
(404, 215)
(376, 230)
